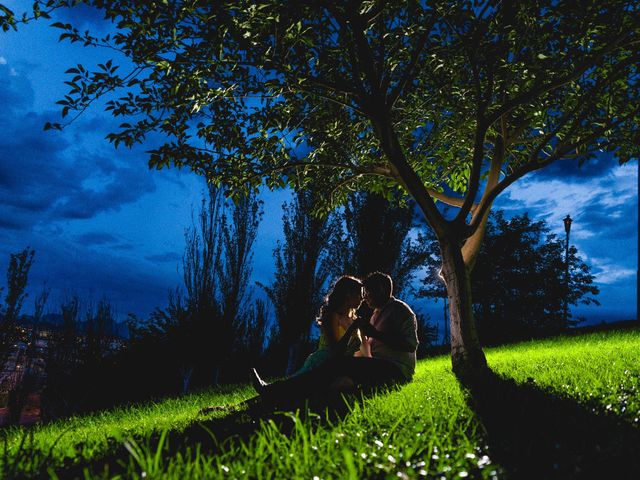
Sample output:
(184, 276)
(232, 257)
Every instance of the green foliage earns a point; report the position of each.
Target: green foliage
(304, 92)
(424, 428)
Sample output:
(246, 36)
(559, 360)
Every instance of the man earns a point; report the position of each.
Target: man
(392, 342)
(392, 329)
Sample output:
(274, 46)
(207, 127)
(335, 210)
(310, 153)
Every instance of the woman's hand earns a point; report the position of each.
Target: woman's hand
(365, 327)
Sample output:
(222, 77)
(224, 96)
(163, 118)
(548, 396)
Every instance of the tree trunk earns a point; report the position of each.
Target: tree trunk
(467, 357)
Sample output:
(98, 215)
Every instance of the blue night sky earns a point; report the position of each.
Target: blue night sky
(103, 224)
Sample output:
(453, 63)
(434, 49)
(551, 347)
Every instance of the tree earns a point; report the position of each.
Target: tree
(302, 268)
(60, 395)
(519, 281)
(39, 304)
(238, 230)
(376, 238)
(521, 293)
(446, 101)
(17, 278)
(199, 334)
(216, 268)
(254, 332)
(99, 333)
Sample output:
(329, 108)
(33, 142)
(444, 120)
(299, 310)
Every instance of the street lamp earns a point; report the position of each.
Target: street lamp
(567, 228)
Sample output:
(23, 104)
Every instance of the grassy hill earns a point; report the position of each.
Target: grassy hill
(560, 408)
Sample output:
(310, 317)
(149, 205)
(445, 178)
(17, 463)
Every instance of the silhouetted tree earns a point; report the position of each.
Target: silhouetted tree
(302, 268)
(39, 303)
(70, 329)
(202, 337)
(254, 333)
(427, 334)
(239, 227)
(377, 238)
(520, 292)
(60, 395)
(199, 332)
(99, 331)
(17, 277)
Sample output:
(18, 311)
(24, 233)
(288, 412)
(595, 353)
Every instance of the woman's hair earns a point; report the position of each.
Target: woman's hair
(334, 302)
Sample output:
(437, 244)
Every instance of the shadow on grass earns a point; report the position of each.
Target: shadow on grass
(537, 435)
(212, 435)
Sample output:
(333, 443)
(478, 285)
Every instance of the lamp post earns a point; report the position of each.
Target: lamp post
(567, 228)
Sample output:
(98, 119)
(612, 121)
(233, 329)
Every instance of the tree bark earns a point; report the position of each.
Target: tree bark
(467, 357)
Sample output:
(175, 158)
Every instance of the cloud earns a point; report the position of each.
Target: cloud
(16, 92)
(571, 171)
(71, 267)
(605, 227)
(168, 257)
(598, 218)
(606, 272)
(96, 238)
(44, 177)
(616, 193)
(82, 17)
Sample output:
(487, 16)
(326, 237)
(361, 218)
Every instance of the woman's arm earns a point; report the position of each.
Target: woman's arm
(339, 345)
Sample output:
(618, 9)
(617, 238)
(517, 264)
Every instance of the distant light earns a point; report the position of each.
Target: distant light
(567, 223)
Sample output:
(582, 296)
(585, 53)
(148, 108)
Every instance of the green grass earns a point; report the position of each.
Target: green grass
(426, 429)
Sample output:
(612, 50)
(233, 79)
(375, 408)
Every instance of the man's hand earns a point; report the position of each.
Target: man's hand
(365, 347)
(365, 327)
(392, 339)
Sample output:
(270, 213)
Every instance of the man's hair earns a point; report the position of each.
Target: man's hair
(380, 287)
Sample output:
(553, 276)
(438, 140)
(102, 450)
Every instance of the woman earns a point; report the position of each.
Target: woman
(339, 330)
(339, 333)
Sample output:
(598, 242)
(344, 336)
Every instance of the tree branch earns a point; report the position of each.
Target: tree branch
(410, 71)
(471, 247)
(561, 152)
(355, 62)
(364, 51)
(476, 170)
(330, 99)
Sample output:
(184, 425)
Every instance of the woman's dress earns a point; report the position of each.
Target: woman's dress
(324, 351)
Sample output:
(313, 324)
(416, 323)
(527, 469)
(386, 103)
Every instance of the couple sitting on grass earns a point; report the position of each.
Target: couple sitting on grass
(354, 353)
